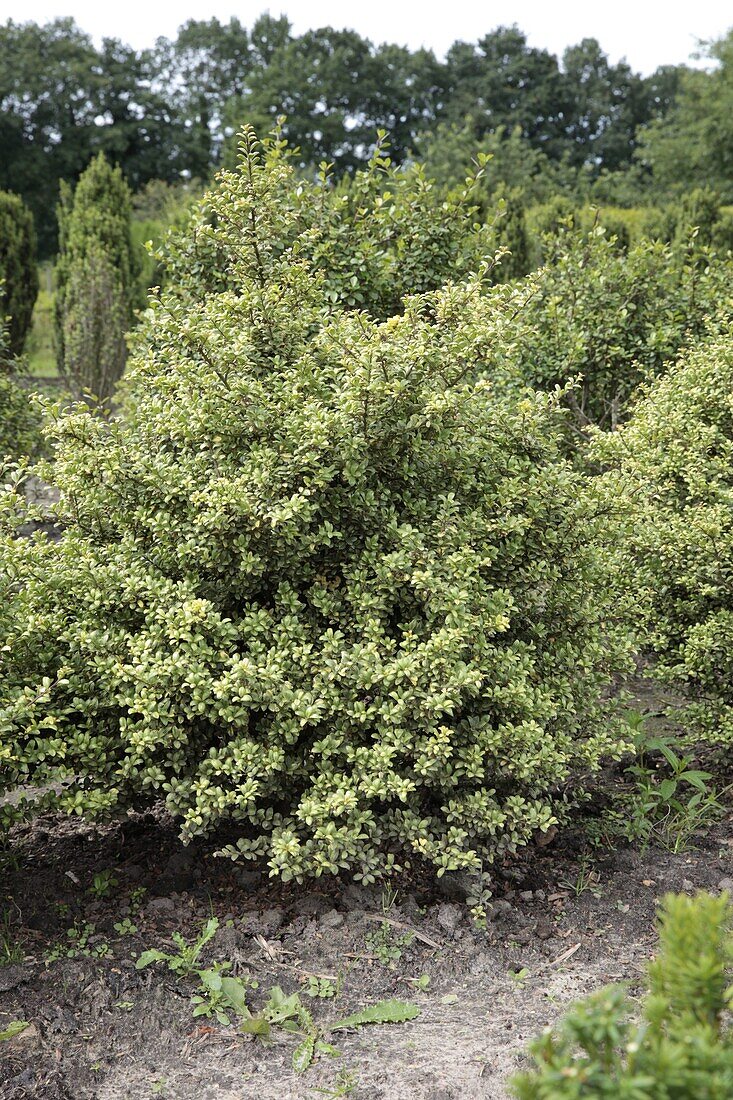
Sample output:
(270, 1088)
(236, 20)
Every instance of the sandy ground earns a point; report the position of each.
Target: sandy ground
(100, 1028)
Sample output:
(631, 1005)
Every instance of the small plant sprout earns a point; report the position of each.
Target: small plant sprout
(221, 995)
(185, 960)
(81, 942)
(125, 927)
(11, 950)
(324, 988)
(102, 884)
(388, 945)
(15, 1027)
(586, 879)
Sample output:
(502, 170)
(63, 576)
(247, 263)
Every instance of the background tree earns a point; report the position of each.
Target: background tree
(18, 272)
(501, 81)
(693, 143)
(48, 81)
(96, 280)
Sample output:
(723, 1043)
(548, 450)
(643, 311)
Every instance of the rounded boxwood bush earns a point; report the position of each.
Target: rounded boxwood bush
(674, 462)
(320, 585)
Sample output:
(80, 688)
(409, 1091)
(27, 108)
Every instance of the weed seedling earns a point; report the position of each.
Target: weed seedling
(11, 950)
(344, 1085)
(422, 983)
(221, 995)
(387, 944)
(102, 884)
(321, 987)
(136, 900)
(125, 927)
(586, 880)
(519, 977)
(290, 1014)
(15, 1027)
(77, 944)
(184, 962)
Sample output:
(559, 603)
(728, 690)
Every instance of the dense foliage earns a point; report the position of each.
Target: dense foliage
(385, 234)
(96, 281)
(674, 462)
(692, 144)
(171, 110)
(321, 584)
(612, 317)
(19, 423)
(682, 1049)
(18, 272)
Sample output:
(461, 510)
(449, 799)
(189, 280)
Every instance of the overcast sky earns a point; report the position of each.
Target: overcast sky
(647, 33)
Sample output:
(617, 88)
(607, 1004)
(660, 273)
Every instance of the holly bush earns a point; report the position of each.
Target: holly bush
(321, 585)
(374, 238)
(674, 462)
(681, 1049)
(614, 318)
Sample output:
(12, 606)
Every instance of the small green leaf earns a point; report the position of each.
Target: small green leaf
(14, 1028)
(303, 1055)
(325, 1048)
(256, 1025)
(235, 993)
(385, 1012)
(149, 957)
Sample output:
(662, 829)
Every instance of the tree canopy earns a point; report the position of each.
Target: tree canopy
(170, 112)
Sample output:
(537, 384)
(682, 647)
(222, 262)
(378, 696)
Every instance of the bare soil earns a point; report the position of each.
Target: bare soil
(99, 1028)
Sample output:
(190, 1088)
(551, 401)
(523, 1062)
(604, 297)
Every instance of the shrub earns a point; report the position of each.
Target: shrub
(320, 584)
(511, 233)
(698, 215)
(613, 318)
(18, 271)
(674, 459)
(373, 239)
(96, 288)
(19, 424)
(681, 1050)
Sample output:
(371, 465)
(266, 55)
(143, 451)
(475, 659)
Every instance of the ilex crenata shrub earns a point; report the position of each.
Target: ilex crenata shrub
(96, 280)
(383, 234)
(680, 1049)
(18, 271)
(674, 463)
(320, 586)
(614, 318)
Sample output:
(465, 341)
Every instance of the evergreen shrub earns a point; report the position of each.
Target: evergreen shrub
(674, 461)
(96, 280)
(680, 1049)
(320, 586)
(613, 318)
(18, 271)
(20, 434)
(385, 233)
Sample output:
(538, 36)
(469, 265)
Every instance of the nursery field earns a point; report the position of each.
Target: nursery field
(566, 920)
(366, 623)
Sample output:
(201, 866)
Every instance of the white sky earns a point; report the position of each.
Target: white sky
(647, 33)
